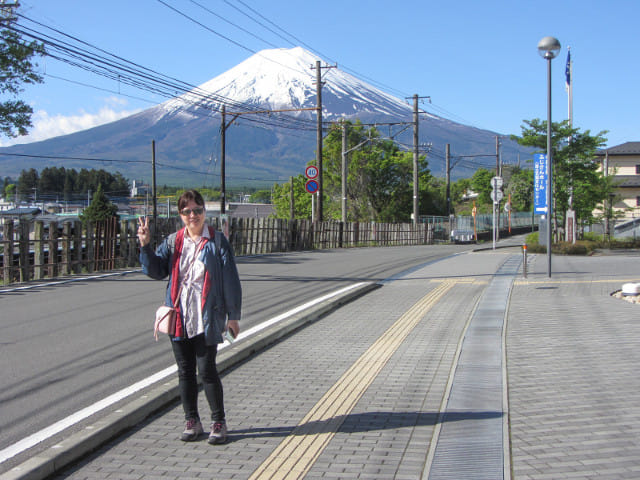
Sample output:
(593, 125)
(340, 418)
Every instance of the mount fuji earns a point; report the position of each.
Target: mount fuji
(270, 102)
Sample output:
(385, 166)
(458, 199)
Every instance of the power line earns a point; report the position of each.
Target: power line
(121, 70)
(309, 47)
(233, 24)
(101, 62)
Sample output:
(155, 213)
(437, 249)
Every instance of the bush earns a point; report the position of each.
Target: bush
(593, 237)
(532, 238)
(536, 248)
(581, 247)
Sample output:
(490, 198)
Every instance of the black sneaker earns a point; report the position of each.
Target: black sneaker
(192, 431)
(218, 433)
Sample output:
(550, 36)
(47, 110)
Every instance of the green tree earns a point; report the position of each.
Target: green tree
(100, 208)
(379, 181)
(10, 191)
(261, 196)
(89, 180)
(576, 178)
(27, 184)
(51, 180)
(432, 194)
(301, 199)
(481, 184)
(379, 176)
(520, 188)
(69, 186)
(17, 68)
(208, 194)
(458, 189)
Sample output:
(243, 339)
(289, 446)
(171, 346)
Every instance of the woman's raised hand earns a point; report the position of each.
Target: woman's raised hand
(144, 235)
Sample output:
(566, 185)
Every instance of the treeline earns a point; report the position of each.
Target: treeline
(62, 184)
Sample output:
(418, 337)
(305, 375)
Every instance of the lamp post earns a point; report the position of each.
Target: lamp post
(548, 48)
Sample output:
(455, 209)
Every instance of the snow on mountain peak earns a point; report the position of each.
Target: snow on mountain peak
(284, 78)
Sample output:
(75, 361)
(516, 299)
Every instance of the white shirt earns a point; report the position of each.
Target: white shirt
(192, 284)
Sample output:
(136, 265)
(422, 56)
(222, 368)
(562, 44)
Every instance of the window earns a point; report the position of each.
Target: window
(637, 169)
(637, 201)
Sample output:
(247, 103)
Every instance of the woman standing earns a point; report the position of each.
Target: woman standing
(202, 271)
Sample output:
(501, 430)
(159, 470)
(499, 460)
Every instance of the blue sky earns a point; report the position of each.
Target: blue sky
(477, 60)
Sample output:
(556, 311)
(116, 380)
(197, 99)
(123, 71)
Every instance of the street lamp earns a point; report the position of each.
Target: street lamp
(548, 48)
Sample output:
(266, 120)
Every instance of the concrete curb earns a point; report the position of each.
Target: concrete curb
(166, 392)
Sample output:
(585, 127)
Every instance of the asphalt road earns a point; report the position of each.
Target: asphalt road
(66, 346)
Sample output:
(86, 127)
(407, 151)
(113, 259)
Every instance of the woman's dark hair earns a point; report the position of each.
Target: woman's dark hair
(190, 195)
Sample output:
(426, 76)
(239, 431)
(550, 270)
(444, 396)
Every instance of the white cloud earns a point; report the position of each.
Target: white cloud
(48, 126)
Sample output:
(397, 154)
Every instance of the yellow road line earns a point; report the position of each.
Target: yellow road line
(469, 279)
(297, 453)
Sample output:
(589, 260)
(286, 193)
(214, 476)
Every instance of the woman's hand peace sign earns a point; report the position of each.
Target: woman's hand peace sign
(144, 235)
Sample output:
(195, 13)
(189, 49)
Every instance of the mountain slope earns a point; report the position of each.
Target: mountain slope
(261, 148)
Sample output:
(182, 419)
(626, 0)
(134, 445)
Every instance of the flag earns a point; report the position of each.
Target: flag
(567, 70)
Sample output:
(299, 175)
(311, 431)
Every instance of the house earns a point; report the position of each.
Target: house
(623, 162)
(139, 188)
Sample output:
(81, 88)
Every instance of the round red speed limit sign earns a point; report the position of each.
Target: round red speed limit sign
(311, 172)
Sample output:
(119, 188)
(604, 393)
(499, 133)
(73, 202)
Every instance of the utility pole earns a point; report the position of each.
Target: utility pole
(447, 163)
(607, 229)
(291, 200)
(416, 154)
(318, 69)
(415, 158)
(153, 190)
(498, 172)
(319, 136)
(223, 128)
(498, 156)
(344, 172)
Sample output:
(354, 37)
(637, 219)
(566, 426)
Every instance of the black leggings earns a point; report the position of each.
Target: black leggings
(190, 353)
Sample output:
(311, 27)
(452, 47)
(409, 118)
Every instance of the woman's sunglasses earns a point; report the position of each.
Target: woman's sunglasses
(196, 211)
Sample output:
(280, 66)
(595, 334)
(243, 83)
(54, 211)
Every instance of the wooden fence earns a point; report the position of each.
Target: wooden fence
(35, 250)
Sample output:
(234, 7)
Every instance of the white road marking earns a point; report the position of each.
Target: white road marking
(74, 418)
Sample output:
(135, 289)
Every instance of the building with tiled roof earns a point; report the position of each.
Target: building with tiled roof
(623, 162)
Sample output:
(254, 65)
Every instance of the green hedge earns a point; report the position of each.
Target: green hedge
(586, 246)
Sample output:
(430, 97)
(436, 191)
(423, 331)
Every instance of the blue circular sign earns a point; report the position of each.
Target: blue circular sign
(311, 186)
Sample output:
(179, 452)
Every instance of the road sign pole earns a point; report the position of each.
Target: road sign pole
(496, 196)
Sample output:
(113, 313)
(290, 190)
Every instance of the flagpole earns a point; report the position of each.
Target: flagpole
(569, 75)
(570, 216)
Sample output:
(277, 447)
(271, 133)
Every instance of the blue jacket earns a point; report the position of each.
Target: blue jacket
(222, 292)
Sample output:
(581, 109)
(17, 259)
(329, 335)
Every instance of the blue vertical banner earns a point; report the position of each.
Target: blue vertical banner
(540, 174)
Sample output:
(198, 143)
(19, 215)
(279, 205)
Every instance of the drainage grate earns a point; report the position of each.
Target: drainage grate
(470, 443)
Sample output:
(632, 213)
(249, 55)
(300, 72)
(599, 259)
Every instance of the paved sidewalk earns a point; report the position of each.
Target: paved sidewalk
(409, 382)
(573, 352)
